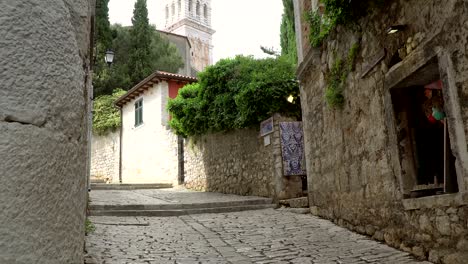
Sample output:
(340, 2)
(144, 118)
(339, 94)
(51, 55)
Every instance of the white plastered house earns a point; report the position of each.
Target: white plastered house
(148, 147)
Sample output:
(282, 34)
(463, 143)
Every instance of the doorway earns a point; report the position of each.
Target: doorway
(427, 161)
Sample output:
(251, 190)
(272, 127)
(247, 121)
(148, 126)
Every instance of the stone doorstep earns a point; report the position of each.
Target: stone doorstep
(180, 206)
(179, 212)
(124, 186)
(302, 202)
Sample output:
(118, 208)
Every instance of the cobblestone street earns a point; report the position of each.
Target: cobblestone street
(263, 236)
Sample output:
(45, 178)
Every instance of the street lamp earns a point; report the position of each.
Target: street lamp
(109, 58)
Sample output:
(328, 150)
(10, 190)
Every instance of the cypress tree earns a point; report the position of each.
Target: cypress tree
(288, 34)
(140, 65)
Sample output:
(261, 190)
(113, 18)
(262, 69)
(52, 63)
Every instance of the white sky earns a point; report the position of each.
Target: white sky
(242, 26)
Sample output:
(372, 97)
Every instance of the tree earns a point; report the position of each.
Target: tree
(235, 93)
(103, 40)
(288, 34)
(134, 58)
(140, 49)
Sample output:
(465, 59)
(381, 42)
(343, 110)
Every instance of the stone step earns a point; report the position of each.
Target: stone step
(179, 206)
(301, 202)
(128, 186)
(178, 212)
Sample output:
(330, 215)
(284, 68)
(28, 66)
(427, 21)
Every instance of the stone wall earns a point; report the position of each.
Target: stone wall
(105, 152)
(45, 47)
(355, 175)
(238, 162)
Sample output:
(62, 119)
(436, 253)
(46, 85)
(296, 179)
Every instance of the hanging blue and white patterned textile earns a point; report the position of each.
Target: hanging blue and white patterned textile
(292, 148)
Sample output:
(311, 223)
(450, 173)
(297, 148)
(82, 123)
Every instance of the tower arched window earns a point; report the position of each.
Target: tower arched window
(190, 7)
(173, 8)
(167, 12)
(198, 9)
(179, 7)
(205, 12)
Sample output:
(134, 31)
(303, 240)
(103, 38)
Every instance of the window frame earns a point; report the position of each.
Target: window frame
(138, 106)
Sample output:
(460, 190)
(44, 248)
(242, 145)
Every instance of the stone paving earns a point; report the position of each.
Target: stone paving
(161, 196)
(263, 236)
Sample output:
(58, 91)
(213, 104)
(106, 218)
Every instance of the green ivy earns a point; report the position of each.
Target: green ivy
(337, 78)
(235, 93)
(337, 12)
(106, 117)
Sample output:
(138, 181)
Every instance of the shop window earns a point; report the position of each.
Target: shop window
(428, 164)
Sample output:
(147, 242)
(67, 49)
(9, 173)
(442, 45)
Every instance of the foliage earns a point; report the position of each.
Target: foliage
(235, 93)
(337, 12)
(337, 78)
(140, 47)
(162, 55)
(288, 32)
(105, 116)
(89, 227)
(320, 27)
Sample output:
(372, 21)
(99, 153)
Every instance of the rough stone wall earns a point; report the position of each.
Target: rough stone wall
(238, 162)
(45, 48)
(105, 151)
(353, 168)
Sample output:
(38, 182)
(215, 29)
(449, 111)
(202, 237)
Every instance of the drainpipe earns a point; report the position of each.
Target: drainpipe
(120, 145)
(180, 147)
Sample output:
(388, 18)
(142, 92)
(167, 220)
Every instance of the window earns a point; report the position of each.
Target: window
(173, 9)
(198, 9)
(179, 6)
(205, 12)
(167, 12)
(190, 7)
(138, 112)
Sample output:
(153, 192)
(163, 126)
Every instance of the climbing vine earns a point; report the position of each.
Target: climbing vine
(336, 12)
(337, 78)
(106, 117)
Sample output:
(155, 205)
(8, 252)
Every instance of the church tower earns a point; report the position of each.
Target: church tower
(191, 18)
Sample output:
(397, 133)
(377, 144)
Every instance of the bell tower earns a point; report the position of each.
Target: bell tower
(191, 18)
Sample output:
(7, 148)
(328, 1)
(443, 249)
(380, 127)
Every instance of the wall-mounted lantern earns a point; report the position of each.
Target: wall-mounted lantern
(395, 29)
(109, 57)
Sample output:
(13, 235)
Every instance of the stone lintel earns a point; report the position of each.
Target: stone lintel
(455, 199)
(311, 62)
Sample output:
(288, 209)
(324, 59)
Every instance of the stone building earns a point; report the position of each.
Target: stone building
(191, 18)
(44, 96)
(388, 164)
(148, 147)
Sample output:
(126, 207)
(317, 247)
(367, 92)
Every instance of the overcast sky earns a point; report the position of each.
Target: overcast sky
(242, 26)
